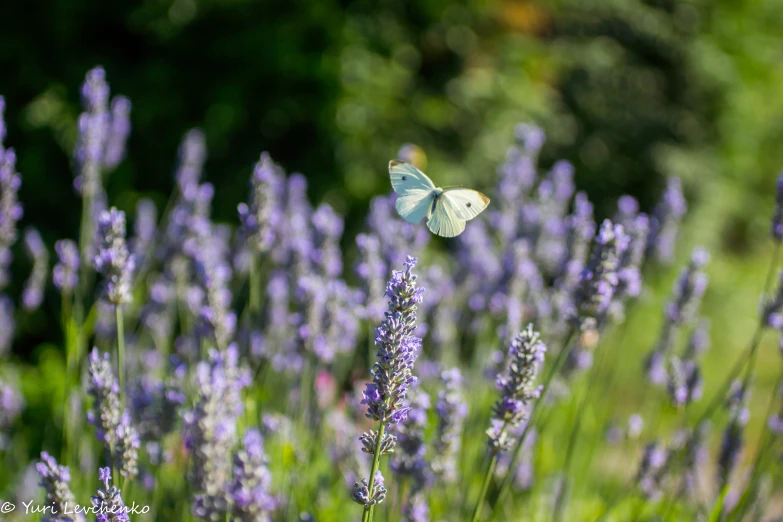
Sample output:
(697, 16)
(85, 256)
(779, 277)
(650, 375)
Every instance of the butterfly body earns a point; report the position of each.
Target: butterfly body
(446, 209)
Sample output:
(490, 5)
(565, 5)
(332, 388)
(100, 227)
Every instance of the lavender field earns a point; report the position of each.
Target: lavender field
(548, 363)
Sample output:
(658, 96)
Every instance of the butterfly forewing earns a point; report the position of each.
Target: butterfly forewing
(415, 205)
(406, 178)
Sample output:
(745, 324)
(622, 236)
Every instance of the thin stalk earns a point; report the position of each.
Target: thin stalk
(255, 288)
(742, 507)
(749, 354)
(376, 458)
(120, 348)
(485, 487)
(561, 358)
(65, 319)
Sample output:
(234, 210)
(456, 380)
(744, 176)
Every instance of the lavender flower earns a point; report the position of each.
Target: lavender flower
(10, 208)
(681, 310)
(209, 253)
(451, 411)
(94, 124)
(262, 216)
(397, 349)
(11, 406)
(328, 230)
(56, 480)
(772, 310)
(113, 259)
(371, 270)
(361, 491)
(733, 442)
(777, 216)
(392, 373)
(119, 129)
(652, 470)
(517, 387)
(210, 430)
(108, 502)
(598, 281)
(144, 228)
(249, 490)
(113, 424)
(7, 323)
(409, 458)
(66, 272)
(665, 222)
(34, 287)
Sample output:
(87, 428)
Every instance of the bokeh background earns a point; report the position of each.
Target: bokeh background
(629, 91)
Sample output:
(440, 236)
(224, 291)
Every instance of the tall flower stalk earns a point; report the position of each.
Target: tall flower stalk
(392, 374)
(517, 390)
(116, 263)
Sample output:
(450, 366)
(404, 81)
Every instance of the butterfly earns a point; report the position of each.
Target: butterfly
(446, 209)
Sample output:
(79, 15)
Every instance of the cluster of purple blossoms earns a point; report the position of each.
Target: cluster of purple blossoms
(107, 502)
(652, 470)
(209, 252)
(35, 284)
(665, 222)
(371, 270)
(392, 373)
(11, 405)
(772, 309)
(66, 272)
(777, 216)
(517, 387)
(102, 134)
(211, 431)
(10, 208)
(682, 310)
(113, 424)
(328, 226)
(261, 217)
(113, 259)
(598, 281)
(409, 462)
(56, 481)
(362, 494)
(451, 410)
(249, 491)
(144, 229)
(733, 439)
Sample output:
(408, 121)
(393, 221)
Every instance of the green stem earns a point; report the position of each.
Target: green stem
(559, 362)
(485, 487)
(376, 458)
(255, 288)
(120, 349)
(749, 354)
(742, 507)
(69, 375)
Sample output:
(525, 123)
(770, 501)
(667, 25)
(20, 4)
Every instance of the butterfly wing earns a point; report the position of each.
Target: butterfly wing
(406, 178)
(444, 221)
(465, 203)
(415, 205)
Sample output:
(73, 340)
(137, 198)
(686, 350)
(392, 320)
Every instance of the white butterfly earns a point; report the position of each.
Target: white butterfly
(446, 209)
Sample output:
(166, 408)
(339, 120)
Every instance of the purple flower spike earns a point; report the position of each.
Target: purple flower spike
(114, 260)
(517, 387)
(777, 216)
(66, 272)
(35, 284)
(56, 480)
(107, 502)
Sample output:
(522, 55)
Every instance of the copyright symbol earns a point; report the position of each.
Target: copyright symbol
(6, 507)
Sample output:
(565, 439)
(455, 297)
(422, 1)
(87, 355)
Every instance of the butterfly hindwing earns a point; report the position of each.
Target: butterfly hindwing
(406, 178)
(444, 221)
(466, 203)
(415, 205)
